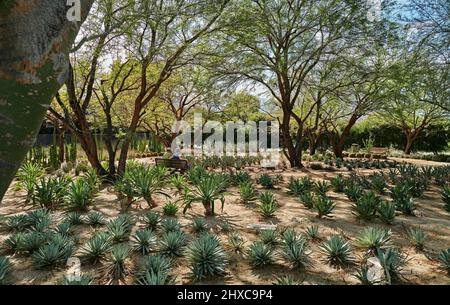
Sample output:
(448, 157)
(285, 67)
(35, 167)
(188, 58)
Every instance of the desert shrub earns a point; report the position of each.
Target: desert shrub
(322, 187)
(32, 241)
(18, 223)
(149, 181)
(170, 225)
(266, 181)
(444, 259)
(73, 218)
(269, 237)
(64, 228)
(28, 176)
(312, 232)
(297, 187)
(316, 166)
(378, 183)
(155, 271)
(296, 253)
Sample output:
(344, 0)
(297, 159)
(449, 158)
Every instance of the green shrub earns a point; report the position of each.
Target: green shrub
(119, 228)
(266, 181)
(286, 280)
(155, 271)
(18, 223)
(149, 181)
(48, 193)
(32, 241)
(378, 183)
(297, 187)
(28, 175)
(316, 166)
(13, 242)
(206, 257)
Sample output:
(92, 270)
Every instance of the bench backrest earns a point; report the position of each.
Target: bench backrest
(378, 150)
(178, 164)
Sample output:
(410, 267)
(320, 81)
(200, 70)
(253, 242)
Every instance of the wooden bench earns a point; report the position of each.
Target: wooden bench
(378, 150)
(177, 165)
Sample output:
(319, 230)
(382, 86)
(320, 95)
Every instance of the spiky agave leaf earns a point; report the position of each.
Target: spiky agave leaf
(152, 220)
(313, 232)
(170, 209)
(76, 281)
(393, 261)
(144, 241)
(236, 242)
(56, 252)
(297, 253)
(64, 228)
(386, 212)
(199, 225)
(96, 248)
(286, 280)
(268, 206)
(444, 259)
(445, 195)
(73, 218)
(374, 238)
(172, 243)
(170, 225)
(338, 251)
(269, 237)
(417, 237)
(116, 267)
(13, 242)
(18, 222)
(5, 269)
(32, 241)
(206, 257)
(260, 254)
(247, 192)
(366, 206)
(307, 199)
(324, 206)
(95, 219)
(338, 184)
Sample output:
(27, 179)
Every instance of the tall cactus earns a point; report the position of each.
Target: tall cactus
(36, 37)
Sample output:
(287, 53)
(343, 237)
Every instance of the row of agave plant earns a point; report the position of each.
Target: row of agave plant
(53, 192)
(161, 244)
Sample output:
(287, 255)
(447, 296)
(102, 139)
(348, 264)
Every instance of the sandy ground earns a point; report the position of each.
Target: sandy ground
(422, 267)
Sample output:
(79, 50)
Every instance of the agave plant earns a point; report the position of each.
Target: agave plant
(269, 237)
(95, 219)
(152, 220)
(196, 173)
(313, 232)
(96, 248)
(155, 271)
(144, 241)
(125, 189)
(32, 241)
(268, 206)
(260, 254)
(199, 225)
(48, 193)
(172, 244)
(266, 181)
(416, 237)
(324, 206)
(150, 181)
(445, 194)
(353, 191)
(402, 199)
(338, 251)
(296, 187)
(248, 192)
(76, 281)
(287, 280)
(5, 270)
(79, 195)
(386, 212)
(170, 225)
(40, 220)
(170, 208)
(116, 267)
(236, 242)
(18, 222)
(378, 183)
(206, 257)
(338, 184)
(444, 258)
(322, 188)
(56, 252)
(241, 177)
(374, 238)
(207, 191)
(393, 261)
(13, 242)
(307, 199)
(64, 228)
(73, 218)
(93, 180)
(179, 182)
(366, 206)
(297, 253)
(28, 175)
(362, 274)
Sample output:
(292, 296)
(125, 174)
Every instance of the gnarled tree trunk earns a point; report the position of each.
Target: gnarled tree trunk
(36, 37)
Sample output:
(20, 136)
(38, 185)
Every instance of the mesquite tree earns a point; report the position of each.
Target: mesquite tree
(36, 37)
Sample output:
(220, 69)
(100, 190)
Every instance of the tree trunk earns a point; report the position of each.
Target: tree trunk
(110, 145)
(36, 37)
(61, 142)
(127, 141)
(410, 139)
(208, 209)
(292, 152)
(338, 148)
